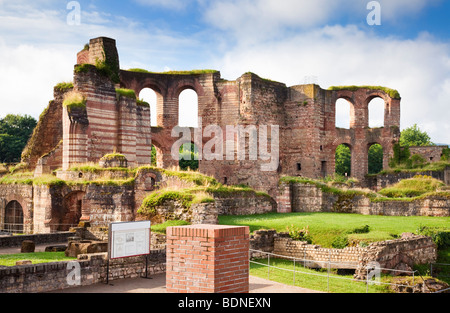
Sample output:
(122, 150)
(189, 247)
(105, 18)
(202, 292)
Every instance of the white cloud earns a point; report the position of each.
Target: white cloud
(337, 55)
(168, 4)
(28, 77)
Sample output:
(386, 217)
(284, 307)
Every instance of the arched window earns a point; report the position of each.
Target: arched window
(343, 160)
(343, 113)
(13, 221)
(376, 112)
(375, 158)
(151, 97)
(157, 156)
(188, 108)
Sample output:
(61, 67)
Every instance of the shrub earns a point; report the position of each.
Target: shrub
(142, 103)
(64, 86)
(440, 237)
(340, 242)
(361, 230)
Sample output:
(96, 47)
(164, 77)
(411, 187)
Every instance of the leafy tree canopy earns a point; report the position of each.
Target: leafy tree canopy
(413, 136)
(15, 130)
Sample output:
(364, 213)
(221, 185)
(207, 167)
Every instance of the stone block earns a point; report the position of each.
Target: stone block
(28, 246)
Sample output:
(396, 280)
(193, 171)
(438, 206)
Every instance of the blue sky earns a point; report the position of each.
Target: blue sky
(328, 42)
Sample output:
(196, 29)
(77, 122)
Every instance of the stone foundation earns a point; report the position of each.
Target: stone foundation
(399, 254)
(46, 277)
(310, 198)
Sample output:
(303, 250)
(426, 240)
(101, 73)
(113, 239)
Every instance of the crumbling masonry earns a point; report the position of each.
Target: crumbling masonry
(305, 114)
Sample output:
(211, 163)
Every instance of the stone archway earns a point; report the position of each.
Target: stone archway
(13, 218)
(71, 210)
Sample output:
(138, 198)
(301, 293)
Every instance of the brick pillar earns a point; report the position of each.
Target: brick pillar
(207, 259)
(284, 198)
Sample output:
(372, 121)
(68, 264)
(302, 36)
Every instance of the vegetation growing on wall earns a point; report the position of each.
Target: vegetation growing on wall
(416, 188)
(73, 100)
(64, 86)
(129, 93)
(192, 72)
(113, 156)
(394, 94)
(413, 187)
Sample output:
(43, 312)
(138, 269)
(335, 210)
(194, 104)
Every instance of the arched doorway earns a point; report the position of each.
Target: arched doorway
(71, 210)
(13, 221)
(343, 160)
(375, 158)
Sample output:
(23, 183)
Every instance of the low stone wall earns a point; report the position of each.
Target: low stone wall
(16, 241)
(208, 213)
(93, 270)
(244, 204)
(379, 182)
(310, 198)
(315, 256)
(398, 254)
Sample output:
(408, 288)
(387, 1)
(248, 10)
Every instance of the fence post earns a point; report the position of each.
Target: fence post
(294, 272)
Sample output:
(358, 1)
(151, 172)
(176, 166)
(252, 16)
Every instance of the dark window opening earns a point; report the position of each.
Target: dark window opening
(299, 166)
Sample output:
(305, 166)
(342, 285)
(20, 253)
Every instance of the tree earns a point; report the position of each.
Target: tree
(15, 131)
(413, 136)
(375, 159)
(343, 160)
(188, 157)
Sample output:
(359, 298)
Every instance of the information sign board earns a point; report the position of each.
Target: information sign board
(128, 239)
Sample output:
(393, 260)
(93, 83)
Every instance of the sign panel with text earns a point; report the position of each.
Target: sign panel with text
(128, 239)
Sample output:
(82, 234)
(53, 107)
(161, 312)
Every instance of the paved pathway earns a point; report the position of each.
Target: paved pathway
(157, 284)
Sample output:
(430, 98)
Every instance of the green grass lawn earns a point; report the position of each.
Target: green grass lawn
(35, 258)
(324, 227)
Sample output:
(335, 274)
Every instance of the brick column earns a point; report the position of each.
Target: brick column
(284, 198)
(207, 259)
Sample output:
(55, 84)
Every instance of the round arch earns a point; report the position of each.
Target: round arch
(343, 159)
(188, 108)
(13, 217)
(71, 212)
(344, 112)
(376, 108)
(375, 152)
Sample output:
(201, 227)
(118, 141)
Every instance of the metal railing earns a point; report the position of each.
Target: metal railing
(371, 271)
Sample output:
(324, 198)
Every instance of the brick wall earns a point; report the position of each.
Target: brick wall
(429, 153)
(207, 259)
